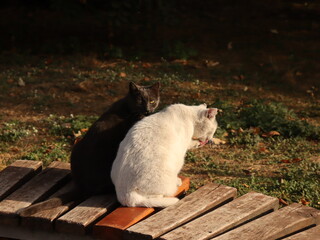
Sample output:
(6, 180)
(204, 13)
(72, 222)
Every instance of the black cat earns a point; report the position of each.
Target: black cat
(92, 157)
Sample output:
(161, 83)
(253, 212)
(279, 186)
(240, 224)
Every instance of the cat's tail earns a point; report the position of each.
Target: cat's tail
(137, 200)
(72, 195)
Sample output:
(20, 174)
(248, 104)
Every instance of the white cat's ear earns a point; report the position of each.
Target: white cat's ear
(211, 112)
(204, 105)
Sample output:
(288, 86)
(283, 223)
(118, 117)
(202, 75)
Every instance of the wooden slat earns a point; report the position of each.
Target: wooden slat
(44, 219)
(81, 218)
(200, 201)
(19, 172)
(38, 188)
(112, 225)
(276, 225)
(225, 217)
(309, 234)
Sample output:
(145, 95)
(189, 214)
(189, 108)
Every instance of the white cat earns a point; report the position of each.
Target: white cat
(145, 171)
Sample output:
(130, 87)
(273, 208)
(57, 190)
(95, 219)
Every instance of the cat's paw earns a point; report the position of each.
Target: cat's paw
(179, 182)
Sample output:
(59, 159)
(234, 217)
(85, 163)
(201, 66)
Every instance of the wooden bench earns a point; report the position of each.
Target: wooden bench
(213, 211)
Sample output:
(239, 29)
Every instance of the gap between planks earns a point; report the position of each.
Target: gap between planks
(193, 205)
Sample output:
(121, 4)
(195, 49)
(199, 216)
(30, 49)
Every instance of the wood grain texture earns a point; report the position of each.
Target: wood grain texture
(275, 225)
(82, 217)
(112, 225)
(225, 217)
(309, 234)
(15, 175)
(193, 205)
(44, 219)
(37, 189)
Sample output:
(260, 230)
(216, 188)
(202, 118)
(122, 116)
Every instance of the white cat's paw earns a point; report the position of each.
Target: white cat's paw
(179, 182)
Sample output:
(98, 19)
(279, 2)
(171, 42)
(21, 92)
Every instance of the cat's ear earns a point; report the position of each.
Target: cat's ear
(134, 88)
(156, 86)
(211, 112)
(203, 105)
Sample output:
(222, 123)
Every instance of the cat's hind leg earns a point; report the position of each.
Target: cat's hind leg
(179, 182)
(135, 199)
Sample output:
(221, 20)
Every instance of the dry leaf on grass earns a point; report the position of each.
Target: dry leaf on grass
(209, 63)
(271, 134)
(263, 149)
(304, 201)
(294, 160)
(281, 201)
(218, 141)
(146, 65)
(77, 134)
(83, 130)
(122, 74)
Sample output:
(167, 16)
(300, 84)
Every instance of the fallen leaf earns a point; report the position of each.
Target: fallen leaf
(21, 83)
(146, 79)
(146, 65)
(263, 149)
(77, 134)
(181, 61)
(271, 134)
(218, 141)
(294, 160)
(225, 134)
(285, 161)
(304, 201)
(10, 80)
(239, 77)
(255, 130)
(246, 185)
(274, 133)
(283, 202)
(274, 31)
(122, 74)
(209, 63)
(14, 149)
(84, 130)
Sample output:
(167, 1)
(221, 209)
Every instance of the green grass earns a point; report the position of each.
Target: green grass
(13, 131)
(250, 160)
(67, 127)
(294, 183)
(278, 165)
(49, 152)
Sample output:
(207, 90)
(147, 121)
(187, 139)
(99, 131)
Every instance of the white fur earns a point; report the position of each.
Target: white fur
(145, 171)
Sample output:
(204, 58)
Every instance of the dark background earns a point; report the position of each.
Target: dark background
(285, 34)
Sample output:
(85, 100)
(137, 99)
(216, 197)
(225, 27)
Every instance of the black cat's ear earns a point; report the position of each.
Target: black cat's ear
(134, 88)
(156, 86)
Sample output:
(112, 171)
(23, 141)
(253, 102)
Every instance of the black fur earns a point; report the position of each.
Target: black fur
(93, 156)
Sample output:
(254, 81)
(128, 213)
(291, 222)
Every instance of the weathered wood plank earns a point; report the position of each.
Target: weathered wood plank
(200, 201)
(19, 172)
(309, 234)
(275, 225)
(226, 217)
(38, 188)
(44, 219)
(81, 218)
(112, 225)
(8, 232)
